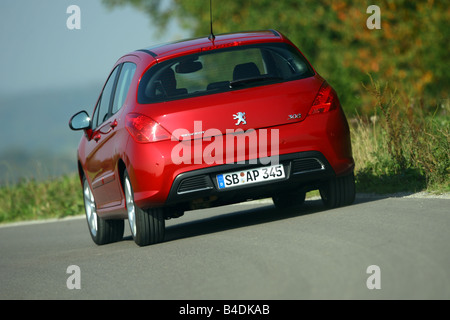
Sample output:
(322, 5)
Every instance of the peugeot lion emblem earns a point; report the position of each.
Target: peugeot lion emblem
(240, 117)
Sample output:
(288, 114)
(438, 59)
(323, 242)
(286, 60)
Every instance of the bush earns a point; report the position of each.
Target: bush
(32, 200)
(403, 146)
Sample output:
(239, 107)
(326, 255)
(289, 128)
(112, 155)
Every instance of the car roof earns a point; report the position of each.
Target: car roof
(177, 48)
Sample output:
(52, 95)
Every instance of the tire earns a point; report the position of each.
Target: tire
(288, 200)
(102, 231)
(147, 227)
(339, 192)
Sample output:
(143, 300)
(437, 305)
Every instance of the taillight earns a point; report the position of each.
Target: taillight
(144, 129)
(326, 100)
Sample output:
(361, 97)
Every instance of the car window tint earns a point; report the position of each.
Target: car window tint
(222, 70)
(123, 85)
(103, 107)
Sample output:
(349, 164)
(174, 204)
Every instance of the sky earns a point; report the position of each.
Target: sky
(39, 52)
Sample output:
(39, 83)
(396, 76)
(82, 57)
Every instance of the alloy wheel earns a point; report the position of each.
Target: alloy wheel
(90, 208)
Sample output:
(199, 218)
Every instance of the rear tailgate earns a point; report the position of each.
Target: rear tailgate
(250, 108)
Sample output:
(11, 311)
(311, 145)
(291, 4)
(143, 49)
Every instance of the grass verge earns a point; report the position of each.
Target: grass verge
(33, 200)
(402, 147)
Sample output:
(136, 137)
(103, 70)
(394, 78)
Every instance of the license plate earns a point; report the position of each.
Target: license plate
(244, 177)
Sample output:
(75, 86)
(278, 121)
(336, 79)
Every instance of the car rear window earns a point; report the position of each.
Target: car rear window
(222, 70)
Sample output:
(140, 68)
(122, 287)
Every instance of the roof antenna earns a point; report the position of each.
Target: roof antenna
(211, 37)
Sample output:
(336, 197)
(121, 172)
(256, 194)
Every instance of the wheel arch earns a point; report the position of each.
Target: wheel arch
(121, 167)
(80, 172)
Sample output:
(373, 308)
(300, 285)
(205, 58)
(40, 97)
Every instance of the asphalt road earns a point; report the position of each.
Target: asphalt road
(247, 251)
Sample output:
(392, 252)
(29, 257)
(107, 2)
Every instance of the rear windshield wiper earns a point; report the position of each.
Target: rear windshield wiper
(240, 82)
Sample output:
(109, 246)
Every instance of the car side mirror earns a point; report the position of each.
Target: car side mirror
(80, 121)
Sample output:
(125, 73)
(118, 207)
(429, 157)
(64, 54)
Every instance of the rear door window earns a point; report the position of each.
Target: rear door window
(105, 99)
(123, 85)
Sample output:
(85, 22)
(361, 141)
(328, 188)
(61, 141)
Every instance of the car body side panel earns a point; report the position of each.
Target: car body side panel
(99, 159)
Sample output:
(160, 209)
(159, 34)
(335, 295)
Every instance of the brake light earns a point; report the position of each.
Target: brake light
(326, 100)
(144, 129)
(221, 46)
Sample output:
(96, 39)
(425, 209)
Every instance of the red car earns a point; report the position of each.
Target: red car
(208, 122)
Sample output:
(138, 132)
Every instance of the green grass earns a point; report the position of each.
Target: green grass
(403, 147)
(61, 197)
(33, 200)
(423, 166)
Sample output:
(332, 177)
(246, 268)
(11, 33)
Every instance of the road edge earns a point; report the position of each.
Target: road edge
(404, 195)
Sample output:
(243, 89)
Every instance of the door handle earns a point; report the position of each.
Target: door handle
(114, 124)
(97, 137)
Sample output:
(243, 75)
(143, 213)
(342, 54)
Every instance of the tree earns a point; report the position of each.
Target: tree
(409, 51)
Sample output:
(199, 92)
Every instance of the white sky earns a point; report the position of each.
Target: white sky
(39, 52)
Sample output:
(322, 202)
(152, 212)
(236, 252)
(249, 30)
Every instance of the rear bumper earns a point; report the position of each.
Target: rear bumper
(157, 180)
(302, 170)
